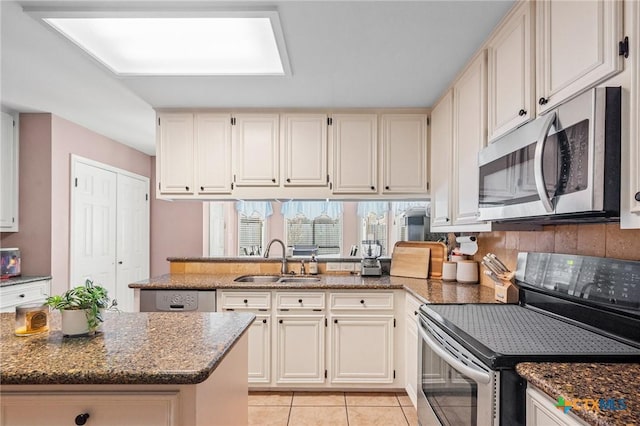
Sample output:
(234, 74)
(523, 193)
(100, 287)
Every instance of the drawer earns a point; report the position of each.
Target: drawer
(11, 296)
(412, 306)
(299, 300)
(361, 301)
(246, 300)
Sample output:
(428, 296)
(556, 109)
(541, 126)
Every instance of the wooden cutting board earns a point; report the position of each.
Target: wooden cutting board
(437, 255)
(410, 262)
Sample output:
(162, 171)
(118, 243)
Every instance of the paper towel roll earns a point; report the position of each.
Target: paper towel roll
(468, 245)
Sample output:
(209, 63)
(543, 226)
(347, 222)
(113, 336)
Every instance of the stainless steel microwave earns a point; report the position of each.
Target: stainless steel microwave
(563, 166)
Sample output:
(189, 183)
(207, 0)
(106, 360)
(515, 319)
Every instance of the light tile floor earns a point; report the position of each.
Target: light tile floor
(331, 409)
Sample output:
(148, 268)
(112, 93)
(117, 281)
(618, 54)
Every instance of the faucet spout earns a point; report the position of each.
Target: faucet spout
(283, 268)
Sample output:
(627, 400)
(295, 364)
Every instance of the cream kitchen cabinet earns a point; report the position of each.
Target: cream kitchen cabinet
(542, 411)
(469, 137)
(355, 153)
(176, 153)
(441, 146)
(412, 306)
(257, 155)
(304, 140)
(576, 47)
(404, 154)
(362, 338)
(29, 292)
(213, 153)
(8, 175)
(194, 152)
(510, 70)
(258, 302)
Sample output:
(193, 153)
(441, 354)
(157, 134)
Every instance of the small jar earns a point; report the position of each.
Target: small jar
(31, 319)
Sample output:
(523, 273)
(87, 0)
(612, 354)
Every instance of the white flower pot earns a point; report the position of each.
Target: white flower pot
(74, 322)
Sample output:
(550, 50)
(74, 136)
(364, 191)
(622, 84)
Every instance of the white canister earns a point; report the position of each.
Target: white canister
(467, 272)
(449, 271)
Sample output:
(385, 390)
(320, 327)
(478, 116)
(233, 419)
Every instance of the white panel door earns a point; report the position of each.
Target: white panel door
(93, 227)
(576, 47)
(132, 254)
(355, 152)
(305, 149)
(362, 349)
(441, 146)
(300, 350)
(404, 154)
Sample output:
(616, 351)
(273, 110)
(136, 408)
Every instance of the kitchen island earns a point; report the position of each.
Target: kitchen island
(151, 368)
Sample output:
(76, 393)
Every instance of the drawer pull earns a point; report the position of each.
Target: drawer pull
(81, 419)
(245, 301)
(362, 301)
(21, 295)
(299, 300)
(280, 321)
(415, 312)
(264, 321)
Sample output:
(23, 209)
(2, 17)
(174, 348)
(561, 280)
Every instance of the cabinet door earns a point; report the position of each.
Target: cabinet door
(213, 153)
(469, 136)
(542, 411)
(355, 153)
(576, 47)
(260, 350)
(305, 149)
(300, 350)
(412, 307)
(32, 292)
(404, 154)
(362, 349)
(175, 152)
(441, 146)
(255, 138)
(8, 175)
(510, 51)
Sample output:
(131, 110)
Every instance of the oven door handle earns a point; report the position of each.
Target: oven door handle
(478, 376)
(541, 186)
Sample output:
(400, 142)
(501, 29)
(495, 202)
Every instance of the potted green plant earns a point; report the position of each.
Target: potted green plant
(81, 308)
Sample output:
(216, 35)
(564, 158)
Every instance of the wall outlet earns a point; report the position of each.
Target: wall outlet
(348, 266)
(334, 266)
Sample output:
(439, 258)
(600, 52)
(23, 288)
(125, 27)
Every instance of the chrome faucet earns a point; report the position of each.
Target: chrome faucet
(283, 269)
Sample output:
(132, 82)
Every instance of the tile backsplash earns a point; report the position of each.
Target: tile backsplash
(601, 239)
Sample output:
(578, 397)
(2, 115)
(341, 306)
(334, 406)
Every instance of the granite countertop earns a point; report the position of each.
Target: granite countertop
(23, 279)
(579, 381)
(429, 291)
(132, 348)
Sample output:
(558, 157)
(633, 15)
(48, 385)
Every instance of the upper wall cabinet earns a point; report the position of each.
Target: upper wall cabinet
(510, 64)
(404, 154)
(304, 137)
(576, 47)
(257, 155)
(355, 150)
(8, 175)
(175, 151)
(469, 137)
(213, 153)
(441, 145)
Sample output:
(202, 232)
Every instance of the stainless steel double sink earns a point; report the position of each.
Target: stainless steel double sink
(274, 279)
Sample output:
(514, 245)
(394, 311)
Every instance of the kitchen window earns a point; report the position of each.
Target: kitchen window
(313, 225)
(252, 224)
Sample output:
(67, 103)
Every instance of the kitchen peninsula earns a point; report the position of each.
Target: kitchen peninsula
(156, 368)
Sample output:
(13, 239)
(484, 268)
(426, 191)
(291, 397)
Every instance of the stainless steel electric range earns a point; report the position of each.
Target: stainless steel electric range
(571, 309)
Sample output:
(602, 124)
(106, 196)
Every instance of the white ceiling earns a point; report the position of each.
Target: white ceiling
(342, 54)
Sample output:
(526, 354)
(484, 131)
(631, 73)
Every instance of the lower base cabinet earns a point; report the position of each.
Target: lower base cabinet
(300, 352)
(411, 348)
(30, 292)
(260, 350)
(542, 411)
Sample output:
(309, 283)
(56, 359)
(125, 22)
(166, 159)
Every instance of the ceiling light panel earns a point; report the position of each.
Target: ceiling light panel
(179, 45)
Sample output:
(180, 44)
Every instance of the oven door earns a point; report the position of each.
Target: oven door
(455, 388)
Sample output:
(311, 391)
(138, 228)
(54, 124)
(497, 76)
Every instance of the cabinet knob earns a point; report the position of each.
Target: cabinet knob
(120, 262)
(386, 187)
(264, 321)
(522, 112)
(362, 301)
(186, 187)
(299, 300)
(202, 188)
(637, 196)
(415, 312)
(288, 180)
(543, 101)
(245, 301)
(280, 321)
(81, 419)
(273, 180)
(335, 321)
(21, 295)
(373, 188)
(446, 219)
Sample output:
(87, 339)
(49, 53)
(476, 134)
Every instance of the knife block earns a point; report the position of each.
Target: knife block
(506, 292)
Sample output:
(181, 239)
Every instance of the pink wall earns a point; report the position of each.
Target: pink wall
(176, 229)
(34, 236)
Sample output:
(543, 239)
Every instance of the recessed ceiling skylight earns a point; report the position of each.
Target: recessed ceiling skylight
(179, 45)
